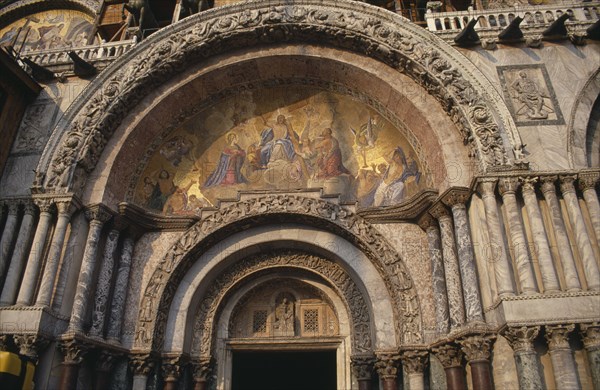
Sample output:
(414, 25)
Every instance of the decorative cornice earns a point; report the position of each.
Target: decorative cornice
(405, 211)
(149, 221)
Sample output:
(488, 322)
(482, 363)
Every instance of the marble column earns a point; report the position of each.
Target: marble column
(202, 370)
(104, 364)
(414, 364)
(507, 187)
(550, 281)
(36, 253)
(65, 207)
(526, 359)
(120, 290)
(362, 368)
(451, 268)
(97, 215)
(456, 200)
(451, 358)
(477, 352)
(590, 266)
(591, 341)
(8, 236)
(440, 296)
(17, 263)
(142, 366)
(387, 368)
(587, 184)
(30, 345)
(74, 353)
(563, 362)
(562, 239)
(104, 283)
(171, 371)
(502, 268)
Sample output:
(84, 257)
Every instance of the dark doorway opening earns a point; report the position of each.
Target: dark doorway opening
(289, 370)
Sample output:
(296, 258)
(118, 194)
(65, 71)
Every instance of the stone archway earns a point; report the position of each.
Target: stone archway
(464, 93)
(579, 138)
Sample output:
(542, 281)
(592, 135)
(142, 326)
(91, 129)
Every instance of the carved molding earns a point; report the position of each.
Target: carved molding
(521, 338)
(473, 104)
(407, 210)
(163, 283)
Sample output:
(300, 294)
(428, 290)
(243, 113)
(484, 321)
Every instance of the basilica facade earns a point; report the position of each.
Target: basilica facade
(308, 194)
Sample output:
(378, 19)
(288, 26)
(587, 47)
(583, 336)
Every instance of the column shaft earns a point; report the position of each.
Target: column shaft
(587, 183)
(477, 352)
(120, 291)
(139, 382)
(562, 240)
(8, 238)
(17, 263)
(455, 378)
(563, 363)
(550, 281)
(440, 297)
(451, 358)
(591, 341)
(528, 370)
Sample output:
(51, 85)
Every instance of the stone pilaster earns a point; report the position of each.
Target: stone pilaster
(507, 188)
(456, 200)
(66, 207)
(30, 345)
(414, 364)
(451, 358)
(587, 184)
(451, 267)
(563, 362)
(36, 253)
(502, 267)
(171, 371)
(202, 370)
(591, 341)
(528, 369)
(362, 368)
(550, 281)
(387, 368)
(8, 236)
(97, 215)
(142, 365)
(17, 263)
(560, 231)
(477, 352)
(440, 297)
(104, 282)
(590, 267)
(74, 352)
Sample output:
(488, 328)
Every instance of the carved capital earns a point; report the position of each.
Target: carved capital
(427, 222)
(567, 183)
(548, 183)
(362, 366)
(521, 338)
(106, 360)
(30, 345)
(67, 205)
(558, 336)
(98, 212)
(588, 180)
(449, 355)
(456, 196)
(4, 342)
(476, 348)
(591, 335)
(486, 187)
(439, 211)
(414, 361)
(528, 184)
(387, 364)
(12, 205)
(508, 185)
(45, 205)
(73, 350)
(202, 369)
(172, 367)
(29, 207)
(141, 363)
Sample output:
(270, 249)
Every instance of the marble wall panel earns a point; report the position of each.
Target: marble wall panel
(504, 369)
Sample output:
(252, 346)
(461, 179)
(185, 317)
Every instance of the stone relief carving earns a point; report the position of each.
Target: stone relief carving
(162, 284)
(349, 26)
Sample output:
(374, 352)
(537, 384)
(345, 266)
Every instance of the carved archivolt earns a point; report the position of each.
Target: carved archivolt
(163, 283)
(466, 95)
(212, 302)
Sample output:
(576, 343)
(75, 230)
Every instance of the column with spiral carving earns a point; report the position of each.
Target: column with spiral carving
(562, 240)
(414, 364)
(477, 352)
(142, 365)
(451, 358)
(387, 369)
(502, 267)
(528, 369)
(591, 341)
(440, 295)
(8, 236)
(362, 368)
(550, 281)
(563, 362)
(590, 266)
(202, 369)
(587, 184)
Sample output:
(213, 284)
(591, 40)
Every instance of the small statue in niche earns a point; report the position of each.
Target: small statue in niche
(530, 95)
(284, 317)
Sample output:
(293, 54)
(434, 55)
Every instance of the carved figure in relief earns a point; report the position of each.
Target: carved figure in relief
(531, 96)
(284, 318)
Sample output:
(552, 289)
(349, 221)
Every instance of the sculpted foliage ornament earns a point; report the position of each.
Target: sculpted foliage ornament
(479, 114)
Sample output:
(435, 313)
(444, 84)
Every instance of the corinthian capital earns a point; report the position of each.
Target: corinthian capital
(476, 348)
(449, 355)
(387, 364)
(521, 338)
(558, 336)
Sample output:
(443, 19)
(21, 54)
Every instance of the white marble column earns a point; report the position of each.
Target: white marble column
(104, 283)
(528, 369)
(563, 362)
(456, 200)
(562, 240)
(451, 268)
(497, 253)
(414, 365)
(97, 215)
(550, 281)
(17, 263)
(440, 295)
(590, 266)
(36, 253)
(8, 236)
(507, 187)
(65, 207)
(591, 341)
(119, 296)
(587, 184)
